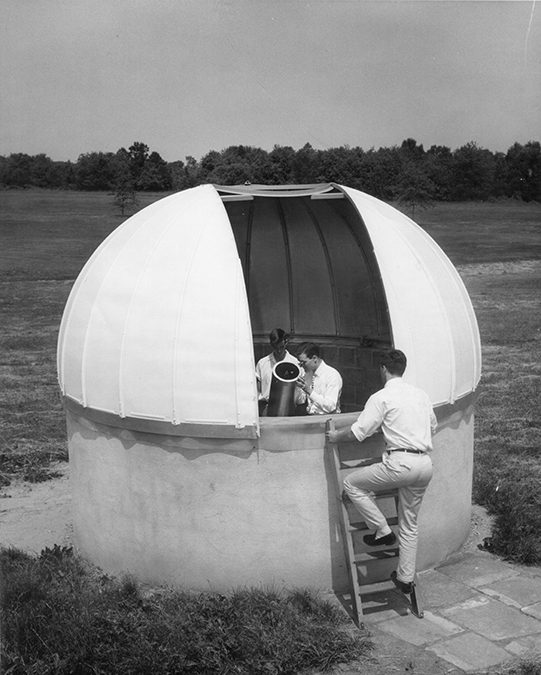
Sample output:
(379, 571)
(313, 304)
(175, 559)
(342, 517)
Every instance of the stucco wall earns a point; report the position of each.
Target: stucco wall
(172, 510)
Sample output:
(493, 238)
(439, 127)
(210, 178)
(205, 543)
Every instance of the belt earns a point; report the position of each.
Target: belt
(415, 452)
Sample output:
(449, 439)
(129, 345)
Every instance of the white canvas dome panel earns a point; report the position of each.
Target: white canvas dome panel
(157, 326)
(430, 311)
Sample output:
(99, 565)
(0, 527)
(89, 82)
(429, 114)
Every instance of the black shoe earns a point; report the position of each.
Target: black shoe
(387, 540)
(405, 588)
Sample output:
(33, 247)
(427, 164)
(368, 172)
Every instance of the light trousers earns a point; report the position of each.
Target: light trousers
(411, 474)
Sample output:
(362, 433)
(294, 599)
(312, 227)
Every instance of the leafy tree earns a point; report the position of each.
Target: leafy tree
(524, 171)
(192, 172)
(468, 173)
(61, 175)
(41, 172)
(137, 157)
(380, 171)
(22, 170)
(411, 151)
(154, 175)
(237, 164)
(306, 166)
(176, 174)
(125, 196)
(18, 170)
(3, 169)
(281, 158)
(252, 164)
(415, 189)
(147, 170)
(235, 173)
(208, 164)
(342, 165)
(472, 171)
(257, 163)
(184, 175)
(96, 171)
(438, 161)
(501, 176)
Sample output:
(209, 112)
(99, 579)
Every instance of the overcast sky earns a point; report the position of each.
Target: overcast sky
(189, 76)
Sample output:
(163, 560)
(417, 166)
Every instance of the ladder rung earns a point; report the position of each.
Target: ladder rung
(382, 494)
(378, 587)
(375, 556)
(360, 525)
(385, 586)
(346, 469)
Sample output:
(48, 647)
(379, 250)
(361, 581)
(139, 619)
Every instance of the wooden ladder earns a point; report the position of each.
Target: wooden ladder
(357, 553)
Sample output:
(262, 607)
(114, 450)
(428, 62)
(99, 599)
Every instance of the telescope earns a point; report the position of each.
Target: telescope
(282, 391)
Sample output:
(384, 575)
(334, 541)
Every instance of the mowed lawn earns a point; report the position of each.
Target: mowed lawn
(46, 237)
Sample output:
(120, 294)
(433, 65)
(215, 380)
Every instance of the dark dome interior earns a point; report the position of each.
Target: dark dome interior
(310, 268)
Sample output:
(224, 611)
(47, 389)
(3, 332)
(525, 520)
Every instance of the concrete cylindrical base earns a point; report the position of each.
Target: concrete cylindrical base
(207, 514)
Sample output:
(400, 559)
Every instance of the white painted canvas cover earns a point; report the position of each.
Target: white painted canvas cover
(157, 325)
(432, 318)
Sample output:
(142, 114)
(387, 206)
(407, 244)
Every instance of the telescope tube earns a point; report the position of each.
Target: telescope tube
(282, 390)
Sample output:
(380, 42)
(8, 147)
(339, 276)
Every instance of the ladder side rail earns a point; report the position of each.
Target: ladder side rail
(416, 599)
(344, 528)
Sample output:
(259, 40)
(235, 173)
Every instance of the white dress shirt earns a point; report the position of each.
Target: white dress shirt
(403, 412)
(326, 389)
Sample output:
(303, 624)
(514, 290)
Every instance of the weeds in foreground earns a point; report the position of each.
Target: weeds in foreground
(59, 617)
(507, 466)
(523, 667)
(511, 492)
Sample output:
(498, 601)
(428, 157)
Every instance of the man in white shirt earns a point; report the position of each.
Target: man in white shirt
(321, 383)
(405, 415)
(278, 339)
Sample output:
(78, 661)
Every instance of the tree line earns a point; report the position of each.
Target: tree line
(406, 172)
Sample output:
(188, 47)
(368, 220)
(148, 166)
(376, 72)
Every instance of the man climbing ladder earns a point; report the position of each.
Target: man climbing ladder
(405, 415)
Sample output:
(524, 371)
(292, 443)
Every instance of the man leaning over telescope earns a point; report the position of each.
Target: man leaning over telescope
(321, 383)
(405, 415)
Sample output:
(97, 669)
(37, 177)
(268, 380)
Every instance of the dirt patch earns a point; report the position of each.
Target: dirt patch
(34, 516)
(480, 529)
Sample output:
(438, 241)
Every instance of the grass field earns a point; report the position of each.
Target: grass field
(485, 232)
(48, 236)
(57, 618)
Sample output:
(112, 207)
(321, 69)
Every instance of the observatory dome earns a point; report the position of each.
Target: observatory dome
(175, 477)
(158, 332)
